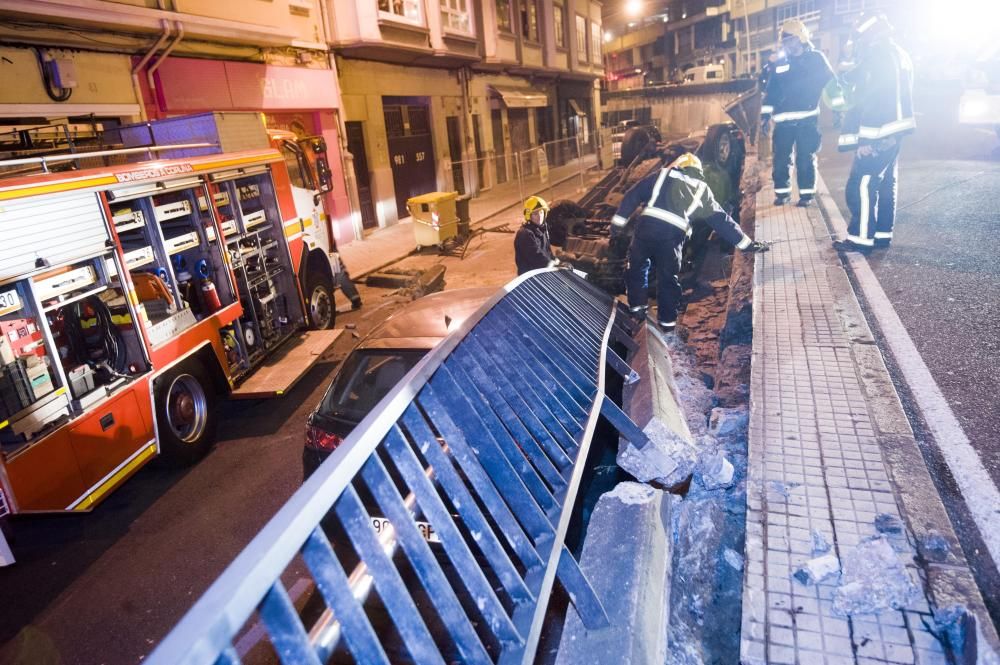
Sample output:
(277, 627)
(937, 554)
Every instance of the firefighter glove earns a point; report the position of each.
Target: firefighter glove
(757, 246)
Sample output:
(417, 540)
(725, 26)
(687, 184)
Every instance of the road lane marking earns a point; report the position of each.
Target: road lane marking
(978, 490)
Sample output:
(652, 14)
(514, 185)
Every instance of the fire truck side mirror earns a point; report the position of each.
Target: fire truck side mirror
(325, 176)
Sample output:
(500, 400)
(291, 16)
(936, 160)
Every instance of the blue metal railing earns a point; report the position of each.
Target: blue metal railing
(486, 440)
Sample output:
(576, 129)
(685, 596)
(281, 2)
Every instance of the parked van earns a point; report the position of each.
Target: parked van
(705, 74)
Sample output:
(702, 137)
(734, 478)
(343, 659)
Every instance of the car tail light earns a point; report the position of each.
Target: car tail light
(321, 439)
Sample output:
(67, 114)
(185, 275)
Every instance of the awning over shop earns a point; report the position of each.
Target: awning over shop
(520, 98)
(576, 108)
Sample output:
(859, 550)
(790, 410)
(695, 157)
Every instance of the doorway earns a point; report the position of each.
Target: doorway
(411, 148)
(362, 176)
(455, 153)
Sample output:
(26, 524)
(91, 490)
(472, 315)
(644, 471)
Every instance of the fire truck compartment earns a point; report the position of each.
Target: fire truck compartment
(283, 369)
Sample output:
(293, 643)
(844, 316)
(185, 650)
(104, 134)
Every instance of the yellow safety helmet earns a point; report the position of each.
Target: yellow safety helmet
(686, 161)
(533, 203)
(795, 28)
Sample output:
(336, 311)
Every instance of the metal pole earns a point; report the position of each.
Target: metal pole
(517, 168)
(579, 158)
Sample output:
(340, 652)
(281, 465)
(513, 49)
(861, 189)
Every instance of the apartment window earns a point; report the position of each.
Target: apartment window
(406, 10)
(455, 16)
(595, 42)
(581, 38)
(559, 21)
(504, 22)
(529, 20)
(848, 6)
(804, 9)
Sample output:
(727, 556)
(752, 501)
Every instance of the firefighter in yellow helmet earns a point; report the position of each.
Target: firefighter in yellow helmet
(532, 248)
(674, 197)
(791, 101)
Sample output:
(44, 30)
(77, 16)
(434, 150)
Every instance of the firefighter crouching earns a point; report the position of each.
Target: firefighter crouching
(674, 197)
(791, 101)
(532, 247)
(880, 86)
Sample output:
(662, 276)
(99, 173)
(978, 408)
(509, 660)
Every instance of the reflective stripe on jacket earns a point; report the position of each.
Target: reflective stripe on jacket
(678, 198)
(793, 90)
(883, 93)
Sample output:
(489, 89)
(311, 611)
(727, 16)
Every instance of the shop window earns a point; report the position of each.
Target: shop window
(405, 10)
(559, 21)
(456, 17)
(581, 38)
(504, 21)
(529, 20)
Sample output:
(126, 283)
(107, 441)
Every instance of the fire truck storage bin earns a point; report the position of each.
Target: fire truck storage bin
(39, 377)
(434, 217)
(15, 389)
(81, 381)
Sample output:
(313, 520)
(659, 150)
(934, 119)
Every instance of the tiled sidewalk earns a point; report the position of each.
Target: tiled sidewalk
(815, 464)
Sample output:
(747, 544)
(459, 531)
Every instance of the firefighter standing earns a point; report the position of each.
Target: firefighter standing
(791, 100)
(882, 92)
(674, 197)
(532, 248)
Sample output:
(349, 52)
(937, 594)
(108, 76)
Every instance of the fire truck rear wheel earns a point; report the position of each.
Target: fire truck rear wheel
(322, 310)
(185, 415)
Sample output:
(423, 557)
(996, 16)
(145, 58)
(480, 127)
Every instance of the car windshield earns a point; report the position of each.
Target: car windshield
(364, 379)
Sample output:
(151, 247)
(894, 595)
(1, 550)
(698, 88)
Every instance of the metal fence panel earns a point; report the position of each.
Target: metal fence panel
(485, 440)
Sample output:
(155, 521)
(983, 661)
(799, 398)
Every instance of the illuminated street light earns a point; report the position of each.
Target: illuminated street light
(633, 7)
(608, 36)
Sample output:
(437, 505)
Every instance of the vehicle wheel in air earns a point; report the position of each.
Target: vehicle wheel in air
(319, 302)
(185, 414)
(563, 216)
(718, 147)
(634, 143)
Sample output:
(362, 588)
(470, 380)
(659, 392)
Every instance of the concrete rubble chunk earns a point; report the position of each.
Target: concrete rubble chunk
(934, 546)
(667, 459)
(818, 569)
(733, 558)
(728, 422)
(626, 557)
(820, 545)
(886, 523)
(715, 471)
(873, 579)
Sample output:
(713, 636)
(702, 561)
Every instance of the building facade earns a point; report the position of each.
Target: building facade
(444, 95)
(411, 95)
(674, 36)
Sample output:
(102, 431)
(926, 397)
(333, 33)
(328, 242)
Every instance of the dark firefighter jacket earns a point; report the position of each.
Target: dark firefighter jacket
(532, 249)
(881, 92)
(795, 85)
(679, 197)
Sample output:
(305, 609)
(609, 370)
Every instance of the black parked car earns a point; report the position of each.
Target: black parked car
(378, 363)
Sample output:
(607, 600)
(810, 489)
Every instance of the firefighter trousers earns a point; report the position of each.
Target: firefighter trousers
(803, 138)
(659, 244)
(871, 194)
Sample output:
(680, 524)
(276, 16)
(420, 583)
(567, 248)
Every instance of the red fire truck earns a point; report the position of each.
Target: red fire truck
(132, 298)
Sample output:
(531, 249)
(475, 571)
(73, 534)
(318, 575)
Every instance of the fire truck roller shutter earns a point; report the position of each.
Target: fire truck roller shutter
(316, 277)
(185, 399)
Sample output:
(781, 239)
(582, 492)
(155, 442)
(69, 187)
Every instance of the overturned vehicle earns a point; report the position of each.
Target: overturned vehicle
(581, 230)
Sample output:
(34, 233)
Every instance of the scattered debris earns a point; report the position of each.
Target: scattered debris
(726, 422)
(820, 545)
(886, 523)
(873, 579)
(351, 326)
(733, 558)
(667, 459)
(816, 570)
(631, 493)
(934, 546)
(780, 488)
(715, 471)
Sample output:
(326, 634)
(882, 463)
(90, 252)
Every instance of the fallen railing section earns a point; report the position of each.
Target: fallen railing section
(486, 440)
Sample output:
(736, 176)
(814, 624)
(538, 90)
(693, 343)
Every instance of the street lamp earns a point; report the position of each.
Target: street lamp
(633, 7)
